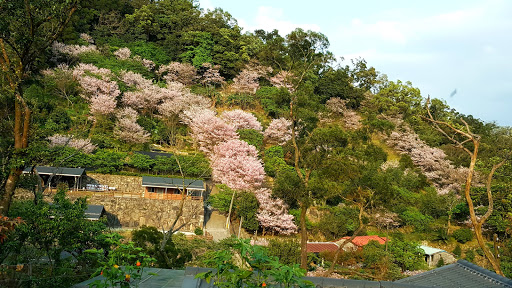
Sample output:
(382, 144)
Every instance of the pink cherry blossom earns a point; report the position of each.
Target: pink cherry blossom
(241, 120)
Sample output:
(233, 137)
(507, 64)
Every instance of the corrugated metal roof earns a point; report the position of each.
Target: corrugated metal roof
(317, 247)
(190, 184)
(460, 274)
(363, 240)
(430, 250)
(57, 171)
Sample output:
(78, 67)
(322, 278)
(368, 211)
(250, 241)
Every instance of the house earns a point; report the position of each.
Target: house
(433, 255)
(359, 241)
(171, 188)
(72, 176)
(319, 247)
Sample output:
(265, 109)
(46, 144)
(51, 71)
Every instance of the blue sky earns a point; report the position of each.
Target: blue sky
(439, 46)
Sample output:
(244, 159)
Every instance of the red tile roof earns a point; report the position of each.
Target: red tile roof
(363, 240)
(317, 247)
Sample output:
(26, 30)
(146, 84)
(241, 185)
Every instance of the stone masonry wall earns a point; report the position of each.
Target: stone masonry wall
(123, 212)
(135, 212)
(129, 184)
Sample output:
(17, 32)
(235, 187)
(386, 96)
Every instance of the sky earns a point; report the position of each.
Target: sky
(458, 51)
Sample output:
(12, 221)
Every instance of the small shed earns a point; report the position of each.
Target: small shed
(171, 188)
(72, 176)
(94, 212)
(433, 255)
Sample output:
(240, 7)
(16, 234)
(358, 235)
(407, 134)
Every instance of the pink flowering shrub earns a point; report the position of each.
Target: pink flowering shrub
(178, 72)
(84, 145)
(273, 213)
(128, 130)
(431, 161)
(211, 76)
(72, 50)
(283, 79)
(248, 80)
(208, 130)
(241, 120)
(123, 53)
(278, 132)
(100, 93)
(236, 164)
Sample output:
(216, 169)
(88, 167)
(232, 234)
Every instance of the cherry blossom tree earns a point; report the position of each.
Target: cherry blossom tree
(431, 161)
(84, 145)
(247, 80)
(273, 214)
(100, 93)
(123, 53)
(236, 164)
(278, 132)
(241, 120)
(127, 128)
(208, 130)
(283, 79)
(178, 72)
(72, 50)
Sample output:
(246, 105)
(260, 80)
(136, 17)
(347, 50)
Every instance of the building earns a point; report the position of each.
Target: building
(359, 241)
(460, 274)
(319, 247)
(172, 188)
(433, 255)
(71, 176)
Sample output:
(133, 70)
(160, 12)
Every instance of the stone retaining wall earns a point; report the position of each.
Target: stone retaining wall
(124, 212)
(132, 213)
(129, 184)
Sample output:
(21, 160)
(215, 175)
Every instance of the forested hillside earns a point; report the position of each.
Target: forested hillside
(315, 148)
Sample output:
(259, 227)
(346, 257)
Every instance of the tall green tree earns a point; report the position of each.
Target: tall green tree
(27, 29)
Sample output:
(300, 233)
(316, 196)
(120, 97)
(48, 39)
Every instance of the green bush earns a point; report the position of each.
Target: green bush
(252, 137)
(273, 160)
(457, 251)
(463, 235)
(339, 222)
(106, 161)
(198, 231)
(244, 101)
(469, 255)
(287, 251)
(415, 218)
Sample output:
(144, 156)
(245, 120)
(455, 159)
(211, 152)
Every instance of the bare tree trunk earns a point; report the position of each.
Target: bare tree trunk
(303, 237)
(475, 140)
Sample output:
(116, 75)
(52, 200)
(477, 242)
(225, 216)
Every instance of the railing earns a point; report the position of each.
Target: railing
(123, 194)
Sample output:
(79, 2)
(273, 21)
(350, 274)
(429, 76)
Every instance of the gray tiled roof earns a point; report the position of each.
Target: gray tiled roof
(93, 212)
(148, 181)
(58, 171)
(460, 274)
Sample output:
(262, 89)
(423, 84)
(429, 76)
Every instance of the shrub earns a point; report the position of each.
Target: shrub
(252, 137)
(470, 255)
(288, 251)
(457, 251)
(274, 160)
(463, 235)
(339, 222)
(198, 231)
(415, 218)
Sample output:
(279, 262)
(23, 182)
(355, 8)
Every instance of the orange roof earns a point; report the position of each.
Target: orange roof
(363, 240)
(317, 247)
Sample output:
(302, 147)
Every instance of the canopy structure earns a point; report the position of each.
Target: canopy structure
(192, 187)
(72, 176)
